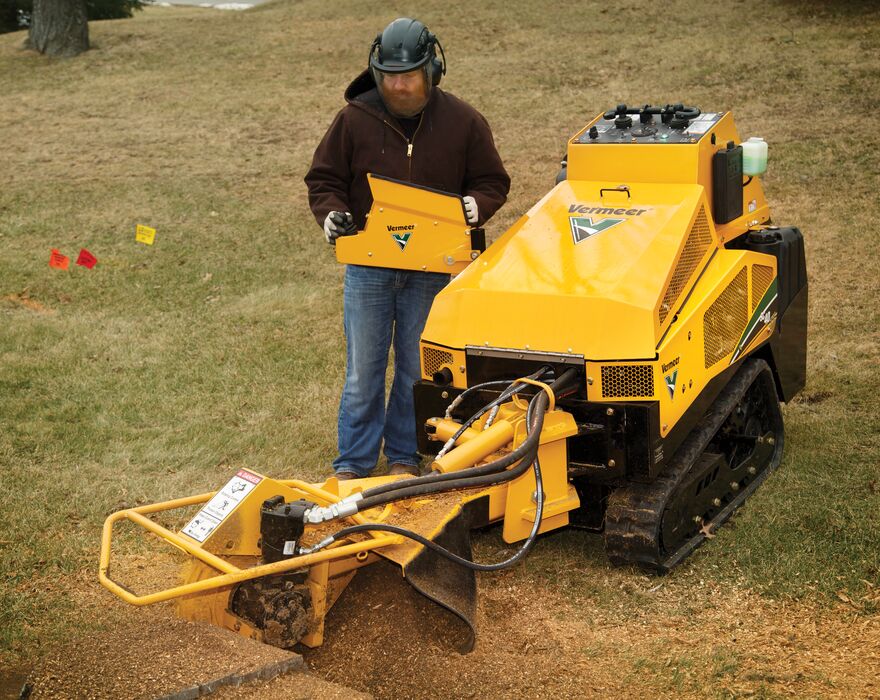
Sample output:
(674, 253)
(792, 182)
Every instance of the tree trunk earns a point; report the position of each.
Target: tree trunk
(59, 27)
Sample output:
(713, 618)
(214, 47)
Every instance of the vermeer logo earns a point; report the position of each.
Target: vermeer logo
(408, 227)
(606, 211)
(582, 227)
(671, 379)
(401, 238)
(669, 365)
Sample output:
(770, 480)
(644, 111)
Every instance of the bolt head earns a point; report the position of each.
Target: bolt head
(590, 381)
(698, 519)
(734, 486)
(609, 411)
(753, 471)
(444, 395)
(716, 502)
(771, 440)
(612, 463)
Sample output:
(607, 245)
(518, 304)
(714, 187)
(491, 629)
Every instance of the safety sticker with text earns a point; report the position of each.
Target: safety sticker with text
(221, 505)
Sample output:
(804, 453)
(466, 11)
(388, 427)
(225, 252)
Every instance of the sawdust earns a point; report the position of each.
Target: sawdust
(150, 656)
(292, 686)
(23, 300)
(380, 631)
(421, 515)
(531, 641)
(672, 637)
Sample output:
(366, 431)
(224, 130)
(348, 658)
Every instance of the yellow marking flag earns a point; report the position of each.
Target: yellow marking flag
(144, 234)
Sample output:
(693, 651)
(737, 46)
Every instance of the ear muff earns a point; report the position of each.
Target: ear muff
(437, 68)
(377, 44)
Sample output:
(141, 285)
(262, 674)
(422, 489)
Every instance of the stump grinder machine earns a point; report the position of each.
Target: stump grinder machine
(615, 361)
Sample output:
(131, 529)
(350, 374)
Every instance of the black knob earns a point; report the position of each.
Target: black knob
(645, 117)
(624, 121)
(764, 237)
(621, 109)
(594, 132)
(679, 121)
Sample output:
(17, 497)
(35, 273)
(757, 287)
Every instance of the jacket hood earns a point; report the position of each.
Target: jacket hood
(363, 92)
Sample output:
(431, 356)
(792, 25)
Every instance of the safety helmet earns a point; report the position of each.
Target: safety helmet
(405, 45)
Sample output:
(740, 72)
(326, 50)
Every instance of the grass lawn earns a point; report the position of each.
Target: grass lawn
(157, 373)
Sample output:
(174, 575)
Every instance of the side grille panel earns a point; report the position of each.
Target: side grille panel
(433, 360)
(698, 241)
(627, 381)
(762, 276)
(726, 319)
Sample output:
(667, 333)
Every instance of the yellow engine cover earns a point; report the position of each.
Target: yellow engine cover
(584, 273)
(621, 267)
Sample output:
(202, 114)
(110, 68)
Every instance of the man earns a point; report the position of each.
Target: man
(397, 123)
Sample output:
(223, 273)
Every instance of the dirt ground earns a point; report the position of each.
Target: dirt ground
(683, 639)
(704, 642)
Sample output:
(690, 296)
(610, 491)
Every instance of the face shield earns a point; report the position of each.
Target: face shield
(404, 94)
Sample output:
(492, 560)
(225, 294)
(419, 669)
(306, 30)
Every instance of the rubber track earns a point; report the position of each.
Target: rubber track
(634, 518)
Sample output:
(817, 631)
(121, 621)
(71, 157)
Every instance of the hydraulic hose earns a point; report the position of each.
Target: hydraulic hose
(409, 488)
(442, 551)
(559, 386)
(497, 401)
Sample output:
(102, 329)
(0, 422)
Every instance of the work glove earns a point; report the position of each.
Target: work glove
(338, 224)
(470, 209)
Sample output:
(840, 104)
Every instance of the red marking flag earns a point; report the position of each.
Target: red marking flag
(86, 259)
(58, 260)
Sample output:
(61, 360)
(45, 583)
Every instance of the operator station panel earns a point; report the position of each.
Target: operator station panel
(648, 125)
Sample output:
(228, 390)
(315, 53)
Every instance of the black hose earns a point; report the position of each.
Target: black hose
(489, 468)
(442, 551)
(498, 400)
(460, 480)
(485, 475)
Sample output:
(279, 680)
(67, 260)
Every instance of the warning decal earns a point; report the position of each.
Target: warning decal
(221, 505)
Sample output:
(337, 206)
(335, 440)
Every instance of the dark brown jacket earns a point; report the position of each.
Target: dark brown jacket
(452, 150)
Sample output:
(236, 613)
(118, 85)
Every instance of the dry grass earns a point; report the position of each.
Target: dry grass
(156, 373)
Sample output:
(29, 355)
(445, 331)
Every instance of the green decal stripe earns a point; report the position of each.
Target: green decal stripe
(768, 297)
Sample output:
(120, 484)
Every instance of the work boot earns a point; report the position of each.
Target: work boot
(401, 469)
(343, 475)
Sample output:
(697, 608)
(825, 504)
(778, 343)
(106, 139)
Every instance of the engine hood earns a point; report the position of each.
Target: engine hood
(591, 270)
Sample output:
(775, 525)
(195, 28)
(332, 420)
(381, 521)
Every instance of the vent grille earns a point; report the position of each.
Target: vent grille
(433, 360)
(627, 381)
(762, 276)
(725, 320)
(695, 247)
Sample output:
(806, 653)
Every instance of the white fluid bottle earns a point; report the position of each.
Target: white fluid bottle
(754, 156)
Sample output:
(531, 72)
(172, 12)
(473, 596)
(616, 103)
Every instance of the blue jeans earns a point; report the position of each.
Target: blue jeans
(382, 306)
